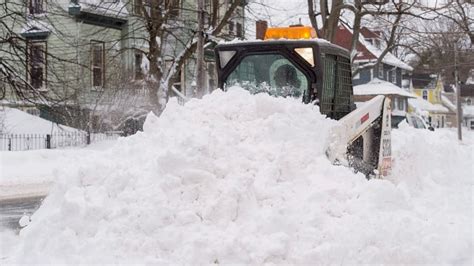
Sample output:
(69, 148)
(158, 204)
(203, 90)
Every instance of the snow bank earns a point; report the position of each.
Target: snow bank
(14, 121)
(235, 178)
(32, 173)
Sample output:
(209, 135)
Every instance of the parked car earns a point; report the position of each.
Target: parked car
(417, 121)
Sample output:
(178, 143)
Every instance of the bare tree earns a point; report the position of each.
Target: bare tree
(163, 27)
(163, 37)
(461, 13)
(29, 72)
(434, 45)
(388, 15)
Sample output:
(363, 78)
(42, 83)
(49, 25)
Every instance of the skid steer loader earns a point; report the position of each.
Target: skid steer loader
(293, 62)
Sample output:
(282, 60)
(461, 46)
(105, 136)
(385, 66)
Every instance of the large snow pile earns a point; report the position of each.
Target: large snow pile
(235, 178)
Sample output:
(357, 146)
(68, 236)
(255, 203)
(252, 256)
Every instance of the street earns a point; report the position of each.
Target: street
(11, 210)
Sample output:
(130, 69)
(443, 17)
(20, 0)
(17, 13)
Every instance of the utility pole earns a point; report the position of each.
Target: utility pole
(458, 93)
(200, 90)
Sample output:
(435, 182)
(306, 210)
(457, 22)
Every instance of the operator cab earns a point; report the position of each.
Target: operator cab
(289, 63)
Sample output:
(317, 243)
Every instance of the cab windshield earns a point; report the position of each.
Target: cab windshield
(269, 73)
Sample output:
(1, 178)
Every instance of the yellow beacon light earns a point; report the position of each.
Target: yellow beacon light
(297, 32)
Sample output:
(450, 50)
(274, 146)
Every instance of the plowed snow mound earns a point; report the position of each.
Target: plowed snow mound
(236, 178)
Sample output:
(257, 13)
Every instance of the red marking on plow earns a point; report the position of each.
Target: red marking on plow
(364, 118)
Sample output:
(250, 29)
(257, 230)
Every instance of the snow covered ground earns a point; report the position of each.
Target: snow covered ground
(32, 173)
(14, 121)
(235, 178)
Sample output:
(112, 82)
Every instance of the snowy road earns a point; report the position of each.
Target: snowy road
(12, 210)
(17, 200)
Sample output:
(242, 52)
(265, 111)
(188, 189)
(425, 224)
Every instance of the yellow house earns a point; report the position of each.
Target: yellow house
(428, 88)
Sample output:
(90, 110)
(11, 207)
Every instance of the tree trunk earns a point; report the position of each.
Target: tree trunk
(200, 90)
(333, 20)
(312, 15)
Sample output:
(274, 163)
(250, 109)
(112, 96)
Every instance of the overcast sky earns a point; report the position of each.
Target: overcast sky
(278, 13)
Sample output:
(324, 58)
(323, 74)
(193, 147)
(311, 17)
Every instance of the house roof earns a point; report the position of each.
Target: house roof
(381, 87)
(368, 33)
(35, 27)
(467, 90)
(448, 88)
(420, 104)
(365, 50)
(448, 103)
(423, 81)
(105, 8)
(343, 38)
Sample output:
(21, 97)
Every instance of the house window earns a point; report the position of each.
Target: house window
(355, 66)
(36, 58)
(395, 103)
(380, 71)
(240, 32)
(231, 27)
(212, 76)
(377, 43)
(138, 66)
(177, 81)
(33, 111)
(394, 76)
(425, 95)
(469, 101)
(36, 6)
(97, 63)
(401, 104)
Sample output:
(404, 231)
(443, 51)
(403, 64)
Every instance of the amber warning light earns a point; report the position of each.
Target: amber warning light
(299, 32)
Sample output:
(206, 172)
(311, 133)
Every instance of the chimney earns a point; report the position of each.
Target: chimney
(261, 28)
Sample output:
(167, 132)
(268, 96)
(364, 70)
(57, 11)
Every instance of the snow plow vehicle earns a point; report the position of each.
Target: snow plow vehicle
(293, 62)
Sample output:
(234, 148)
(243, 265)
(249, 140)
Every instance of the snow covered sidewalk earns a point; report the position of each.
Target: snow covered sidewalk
(236, 178)
(32, 173)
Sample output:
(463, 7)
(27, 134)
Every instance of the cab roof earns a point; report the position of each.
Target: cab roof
(274, 44)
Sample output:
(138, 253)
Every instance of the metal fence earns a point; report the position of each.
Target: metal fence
(23, 142)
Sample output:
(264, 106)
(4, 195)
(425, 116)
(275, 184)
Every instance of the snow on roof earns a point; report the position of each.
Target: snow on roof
(35, 26)
(468, 110)
(381, 87)
(447, 102)
(420, 104)
(389, 58)
(470, 80)
(15, 121)
(105, 7)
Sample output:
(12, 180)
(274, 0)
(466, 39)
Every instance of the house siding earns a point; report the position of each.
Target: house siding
(365, 76)
(69, 57)
(68, 53)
